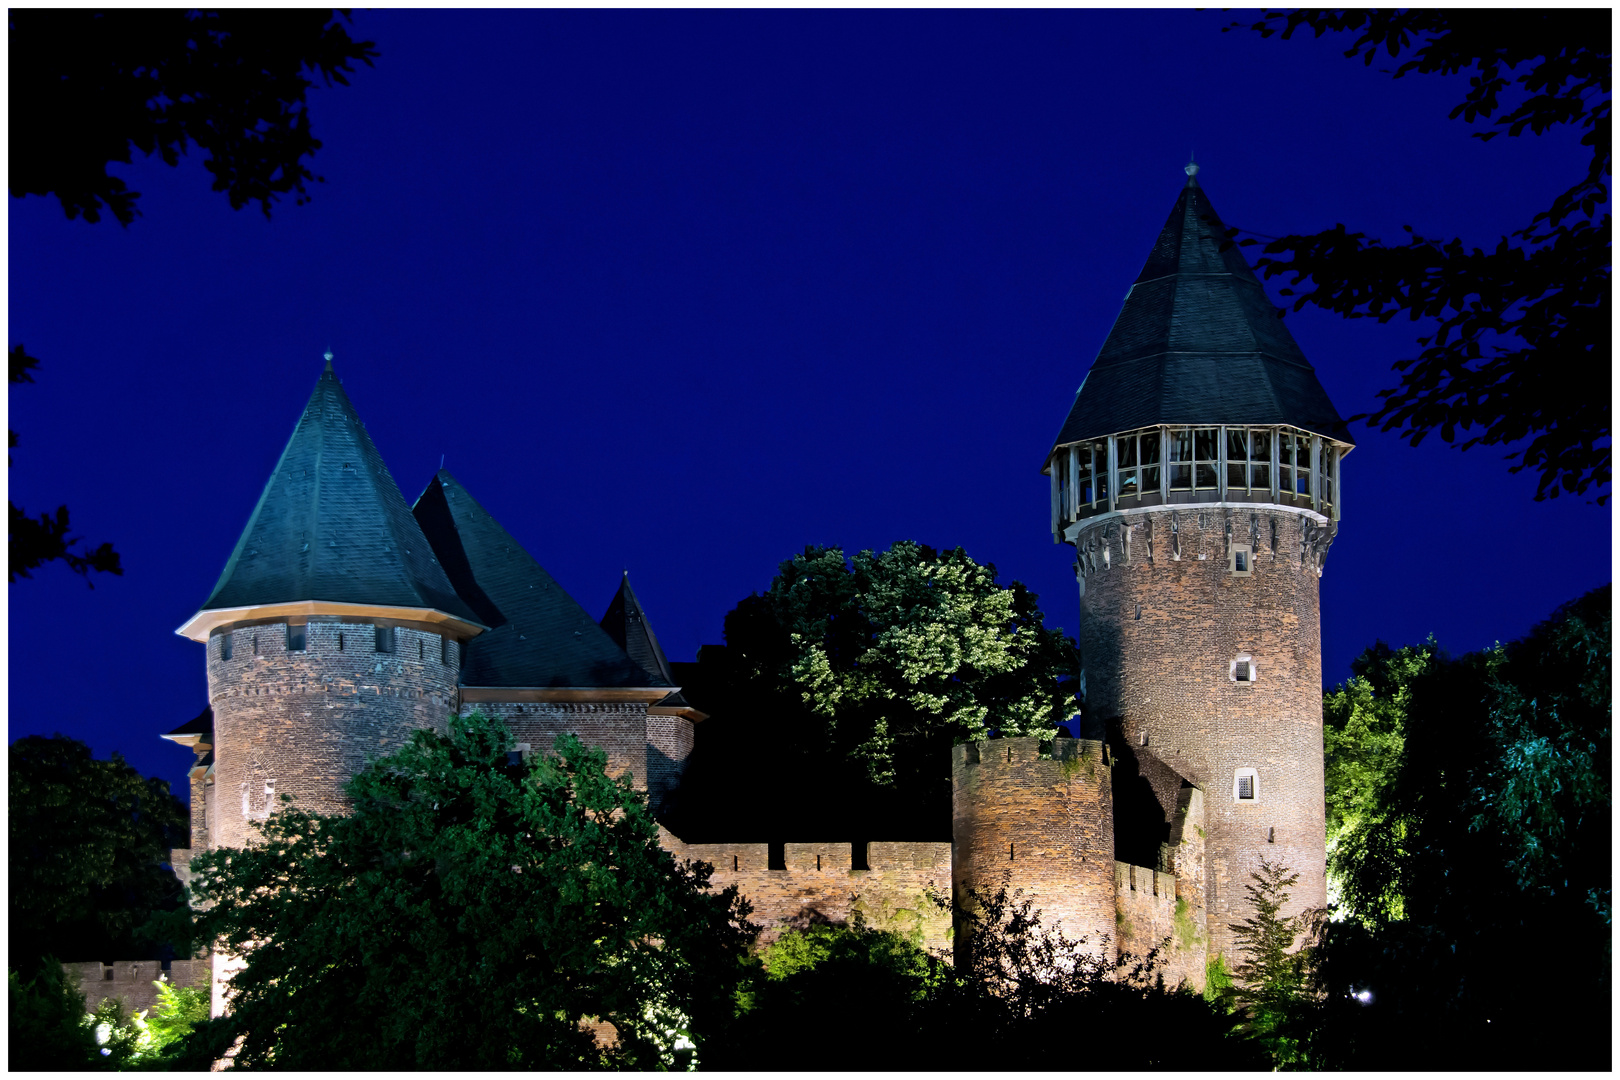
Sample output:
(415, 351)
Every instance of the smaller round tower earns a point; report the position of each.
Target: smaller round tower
(1037, 819)
(332, 634)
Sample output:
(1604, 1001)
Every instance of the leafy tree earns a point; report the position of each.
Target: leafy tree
(472, 912)
(1271, 977)
(1499, 809)
(871, 668)
(88, 87)
(1364, 738)
(47, 1025)
(35, 542)
(177, 1012)
(89, 848)
(1522, 347)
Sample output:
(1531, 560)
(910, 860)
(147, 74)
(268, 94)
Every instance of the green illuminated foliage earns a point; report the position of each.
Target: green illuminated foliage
(88, 854)
(870, 669)
(470, 913)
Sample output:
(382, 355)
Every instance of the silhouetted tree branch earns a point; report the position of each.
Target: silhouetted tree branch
(87, 87)
(37, 541)
(1522, 349)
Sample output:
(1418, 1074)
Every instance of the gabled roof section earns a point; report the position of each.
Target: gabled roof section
(539, 636)
(1198, 342)
(196, 732)
(332, 525)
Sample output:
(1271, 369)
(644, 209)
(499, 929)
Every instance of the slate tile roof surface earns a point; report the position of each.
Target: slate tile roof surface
(332, 525)
(1198, 342)
(538, 636)
(626, 623)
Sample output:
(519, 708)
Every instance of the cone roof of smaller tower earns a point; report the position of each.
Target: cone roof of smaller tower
(539, 636)
(627, 625)
(1198, 341)
(332, 525)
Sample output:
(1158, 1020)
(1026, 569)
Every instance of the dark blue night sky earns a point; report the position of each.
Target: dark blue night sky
(686, 291)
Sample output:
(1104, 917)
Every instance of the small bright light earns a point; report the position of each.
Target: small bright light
(1363, 996)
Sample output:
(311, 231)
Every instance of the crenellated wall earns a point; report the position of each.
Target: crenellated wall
(819, 884)
(133, 980)
(1038, 817)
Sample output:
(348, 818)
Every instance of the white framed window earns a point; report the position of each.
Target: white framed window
(1245, 786)
(1242, 669)
(1241, 561)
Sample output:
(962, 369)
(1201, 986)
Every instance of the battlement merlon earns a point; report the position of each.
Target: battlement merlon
(1020, 753)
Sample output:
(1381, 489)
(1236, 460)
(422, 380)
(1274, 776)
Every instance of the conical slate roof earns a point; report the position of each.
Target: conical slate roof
(539, 636)
(332, 525)
(1198, 342)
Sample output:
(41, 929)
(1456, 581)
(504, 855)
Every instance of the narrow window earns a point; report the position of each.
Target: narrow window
(340, 641)
(776, 856)
(106, 973)
(1237, 459)
(1242, 562)
(1181, 450)
(225, 645)
(1009, 853)
(1245, 786)
(1150, 462)
(1206, 457)
(444, 650)
(818, 860)
(1260, 460)
(1243, 669)
(255, 644)
(295, 637)
(1126, 448)
(1302, 466)
(421, 649)
(385, 639)
(734, 862)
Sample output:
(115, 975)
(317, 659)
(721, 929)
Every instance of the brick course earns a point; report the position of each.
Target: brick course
(132, 980)
(1040, 822)
(1158, 636)
(305, 722)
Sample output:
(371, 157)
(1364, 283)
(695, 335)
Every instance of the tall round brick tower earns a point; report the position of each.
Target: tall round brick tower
(332, 634)
(1197, 479)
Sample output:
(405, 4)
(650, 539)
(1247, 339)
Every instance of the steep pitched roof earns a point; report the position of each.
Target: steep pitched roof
(1198, 342)
(332, 525)
(539, 636)
(626, 623)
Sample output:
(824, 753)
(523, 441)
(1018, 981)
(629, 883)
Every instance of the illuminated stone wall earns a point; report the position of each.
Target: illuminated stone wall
(302, 723)
(1163, 618)
(818, 885)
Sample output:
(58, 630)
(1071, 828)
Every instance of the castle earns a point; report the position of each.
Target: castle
(1196, 479)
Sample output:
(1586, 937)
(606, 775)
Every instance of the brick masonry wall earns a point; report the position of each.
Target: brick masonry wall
(1158, 636)
(304, 722)
(818, 885)
(132, 980)
(1040, 824)
(618, 728)
(669, 744)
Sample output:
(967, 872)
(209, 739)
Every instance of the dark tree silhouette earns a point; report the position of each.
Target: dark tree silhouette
(1522, 348)
(87, 87)
(37, 541)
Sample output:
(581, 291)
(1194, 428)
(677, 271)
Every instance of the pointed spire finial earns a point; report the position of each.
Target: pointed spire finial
(1191, 168)
(329, 358)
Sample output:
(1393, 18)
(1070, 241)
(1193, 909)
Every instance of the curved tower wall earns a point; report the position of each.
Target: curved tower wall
(1038, 822)
(302, 723)
(1164, 619)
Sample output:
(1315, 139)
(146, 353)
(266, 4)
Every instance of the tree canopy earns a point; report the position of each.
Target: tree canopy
(1522, 347)
(89, 848)
(849, 679)
(89, 87)
(473, 911)
(1485, 825)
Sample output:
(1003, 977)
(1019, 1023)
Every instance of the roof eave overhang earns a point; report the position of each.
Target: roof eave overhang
(200, 625)
(697, 716)
(643, 695)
